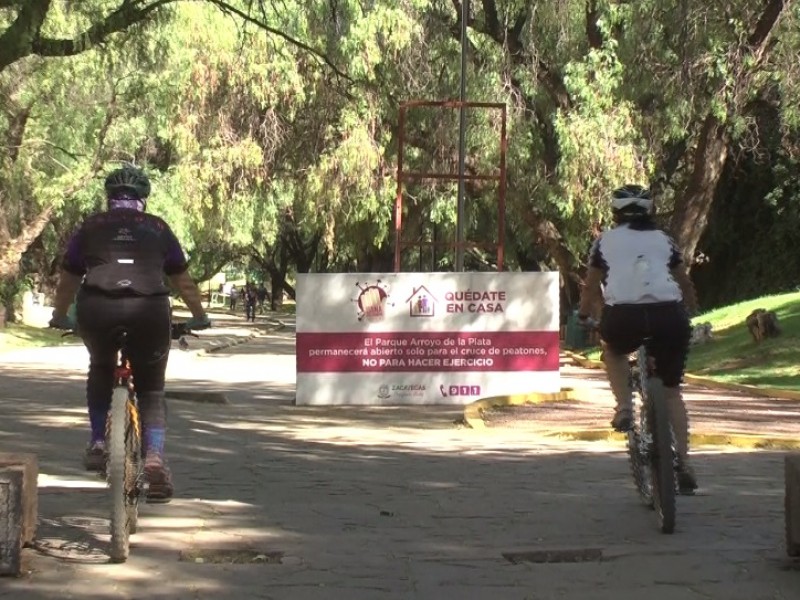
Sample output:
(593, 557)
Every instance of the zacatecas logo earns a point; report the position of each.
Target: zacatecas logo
(401, 390)
(371, 300)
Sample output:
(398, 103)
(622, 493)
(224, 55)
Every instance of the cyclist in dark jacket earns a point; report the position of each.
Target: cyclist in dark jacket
(119, 259)
(638, 272)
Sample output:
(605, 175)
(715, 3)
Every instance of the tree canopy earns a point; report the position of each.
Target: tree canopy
(271, 130)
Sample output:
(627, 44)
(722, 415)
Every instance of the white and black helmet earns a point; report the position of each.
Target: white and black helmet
(632, 200)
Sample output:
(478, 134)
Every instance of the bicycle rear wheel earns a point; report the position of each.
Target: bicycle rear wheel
(120, 473)
(640, 463)
(638, 436)
(661, 456)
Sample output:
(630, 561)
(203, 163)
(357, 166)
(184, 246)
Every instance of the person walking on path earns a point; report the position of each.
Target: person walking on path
(250, 299)
(262, 297)
(234, 297)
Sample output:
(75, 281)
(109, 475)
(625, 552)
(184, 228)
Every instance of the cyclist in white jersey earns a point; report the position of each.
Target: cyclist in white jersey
(639, 273)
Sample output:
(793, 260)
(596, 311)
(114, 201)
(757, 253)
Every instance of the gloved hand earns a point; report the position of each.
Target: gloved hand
(198, 323)
(63, 322)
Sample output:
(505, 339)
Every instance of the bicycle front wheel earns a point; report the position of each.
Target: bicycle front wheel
(661, 456)
(119, 473)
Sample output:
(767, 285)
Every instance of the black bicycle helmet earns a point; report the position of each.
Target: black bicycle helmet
(128, 179)
(632, 199)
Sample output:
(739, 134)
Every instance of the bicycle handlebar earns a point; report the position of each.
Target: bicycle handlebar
(177, 330)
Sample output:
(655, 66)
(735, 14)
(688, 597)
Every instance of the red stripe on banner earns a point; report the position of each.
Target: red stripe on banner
(424, 351)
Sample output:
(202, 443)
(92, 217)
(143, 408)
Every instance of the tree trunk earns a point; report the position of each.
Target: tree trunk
(10, 256)
(692, 208)
(17, 40)
(551, 241)
(7, 312)
(11, 252)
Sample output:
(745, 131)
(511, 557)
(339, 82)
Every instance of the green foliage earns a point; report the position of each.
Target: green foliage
(601, 147)
(279, 142)
(734, 357)
(16, 336)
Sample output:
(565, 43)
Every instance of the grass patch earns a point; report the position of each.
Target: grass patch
(733, 356)
(593, 353)
(288, 308)
(15, 336)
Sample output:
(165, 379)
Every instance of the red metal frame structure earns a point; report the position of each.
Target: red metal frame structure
(403, 176)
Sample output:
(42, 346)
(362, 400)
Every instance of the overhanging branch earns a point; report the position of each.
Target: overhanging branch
(119, 20)
(757, 42)
(23, 38)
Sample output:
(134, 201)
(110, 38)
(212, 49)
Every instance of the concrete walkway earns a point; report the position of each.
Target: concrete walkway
(360, 503)
(716, 415)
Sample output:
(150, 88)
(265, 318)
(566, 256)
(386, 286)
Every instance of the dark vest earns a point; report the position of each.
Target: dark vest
(126, 252)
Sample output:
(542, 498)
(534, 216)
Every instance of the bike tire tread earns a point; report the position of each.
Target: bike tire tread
(116, 425)
(662, 460)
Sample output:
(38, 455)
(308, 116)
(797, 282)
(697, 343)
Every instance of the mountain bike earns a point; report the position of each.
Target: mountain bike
(651, 441)
(124, 460)
(125, 453)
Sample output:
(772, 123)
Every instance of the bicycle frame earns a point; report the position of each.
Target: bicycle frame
(123, 377)
(642, 369)
(123, 374)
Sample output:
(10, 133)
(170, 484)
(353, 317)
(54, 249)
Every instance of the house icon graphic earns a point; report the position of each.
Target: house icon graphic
(421, 303)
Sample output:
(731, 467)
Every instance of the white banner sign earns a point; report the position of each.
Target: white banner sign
(425, 338)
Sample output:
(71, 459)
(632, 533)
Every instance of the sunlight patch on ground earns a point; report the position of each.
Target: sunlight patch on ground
(52, 421)
(227, 503)
(152, 524)
(56, 481)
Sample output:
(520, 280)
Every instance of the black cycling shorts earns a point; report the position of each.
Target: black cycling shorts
(147, 321)
(624, 327)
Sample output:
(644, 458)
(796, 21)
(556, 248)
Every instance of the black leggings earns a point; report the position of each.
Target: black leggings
(666, 326)
(147, 321)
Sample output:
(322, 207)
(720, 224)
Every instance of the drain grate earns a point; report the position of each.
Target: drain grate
(231, 556)
(572, 555)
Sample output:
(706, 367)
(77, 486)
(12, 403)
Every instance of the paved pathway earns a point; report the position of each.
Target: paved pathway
(711, 411)
(382, 503)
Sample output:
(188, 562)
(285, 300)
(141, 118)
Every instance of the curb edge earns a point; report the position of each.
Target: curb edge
(473, 412)
(736, 440)
(225, 343)
(764, 392)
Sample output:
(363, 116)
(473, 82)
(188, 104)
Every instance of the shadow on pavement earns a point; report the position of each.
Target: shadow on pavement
(380, 503)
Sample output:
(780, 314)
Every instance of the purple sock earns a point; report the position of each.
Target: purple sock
(97, 417)
(154, 440)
